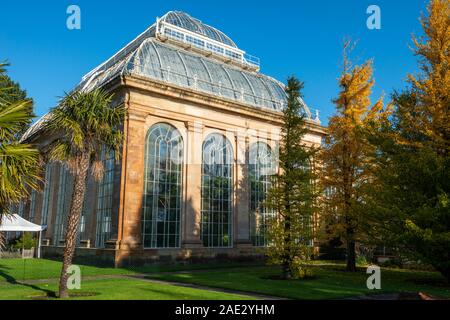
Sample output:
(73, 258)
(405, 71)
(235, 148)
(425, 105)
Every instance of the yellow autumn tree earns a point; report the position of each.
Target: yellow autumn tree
(431, 114)
(344, 157)
(410, 192)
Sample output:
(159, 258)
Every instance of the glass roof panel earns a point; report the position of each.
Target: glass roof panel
(276, 90)
(241, 85)
(172, 66)
(262, 94)
(220, 79)
(185, 21)
(197, 70)
(146, 61)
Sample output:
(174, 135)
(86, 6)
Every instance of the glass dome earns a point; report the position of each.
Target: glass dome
(160, 61)
(185, 21)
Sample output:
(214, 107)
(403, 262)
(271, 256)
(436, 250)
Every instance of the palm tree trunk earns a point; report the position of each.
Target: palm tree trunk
(76, 207)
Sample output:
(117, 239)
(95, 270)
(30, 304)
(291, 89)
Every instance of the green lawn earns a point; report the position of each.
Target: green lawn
(331, 282)
(12, 270)
(28, 269)
(115, 289)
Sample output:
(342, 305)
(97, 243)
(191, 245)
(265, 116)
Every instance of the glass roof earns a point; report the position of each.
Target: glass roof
(185, 21)
(149, 57)
(168, 63)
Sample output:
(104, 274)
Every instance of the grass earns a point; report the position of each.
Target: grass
(116, 289)
(30, 269)
(330, 282)
(12, 270)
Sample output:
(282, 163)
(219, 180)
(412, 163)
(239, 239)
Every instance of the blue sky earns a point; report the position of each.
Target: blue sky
(300, 37)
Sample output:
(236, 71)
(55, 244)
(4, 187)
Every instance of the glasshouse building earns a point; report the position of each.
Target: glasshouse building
(200, 144)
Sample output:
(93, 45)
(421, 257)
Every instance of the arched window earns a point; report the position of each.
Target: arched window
(162, 190)
(261, 168)
(217, 187)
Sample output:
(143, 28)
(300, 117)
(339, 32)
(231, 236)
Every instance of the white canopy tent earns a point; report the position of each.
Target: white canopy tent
(15, 223)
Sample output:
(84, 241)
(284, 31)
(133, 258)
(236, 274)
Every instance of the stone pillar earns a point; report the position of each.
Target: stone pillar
(242, 231)
(131, 205)
(192, 189)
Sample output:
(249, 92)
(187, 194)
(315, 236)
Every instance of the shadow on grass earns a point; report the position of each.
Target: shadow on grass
(11, 280)
(435, 282)
(282, 278)
(53, 295)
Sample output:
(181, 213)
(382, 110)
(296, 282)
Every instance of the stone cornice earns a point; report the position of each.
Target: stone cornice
(211, 101)
(219, 103)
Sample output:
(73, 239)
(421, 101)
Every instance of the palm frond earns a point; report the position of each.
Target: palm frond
(3, 66)
(85, 122)
(13, 117)
(19, 171)
(60, 150)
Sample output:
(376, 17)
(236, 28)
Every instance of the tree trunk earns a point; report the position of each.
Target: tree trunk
(445, 272)
(351, 256)
(2, 239)
(287, 274)
(73, 220)
(347, 179)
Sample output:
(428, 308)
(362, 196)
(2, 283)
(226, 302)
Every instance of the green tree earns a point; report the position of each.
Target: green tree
(19, 167)
(410, 195)
(10, 91)
(26, 241)
(84, 123)
(19, 162)
(290, 229)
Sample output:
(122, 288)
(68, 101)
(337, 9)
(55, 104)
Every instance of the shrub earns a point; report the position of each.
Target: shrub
(25, 242)
(300, 270)
(361, 261)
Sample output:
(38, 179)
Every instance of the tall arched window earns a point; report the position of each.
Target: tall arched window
(162, 190)
(217, 187)
(261, 168)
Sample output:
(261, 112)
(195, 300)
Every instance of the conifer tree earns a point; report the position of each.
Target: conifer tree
(289, 230)
(410, 195)
(344, 162)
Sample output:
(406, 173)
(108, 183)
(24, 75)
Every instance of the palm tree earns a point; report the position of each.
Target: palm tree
(84, 123)
(19, 162)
